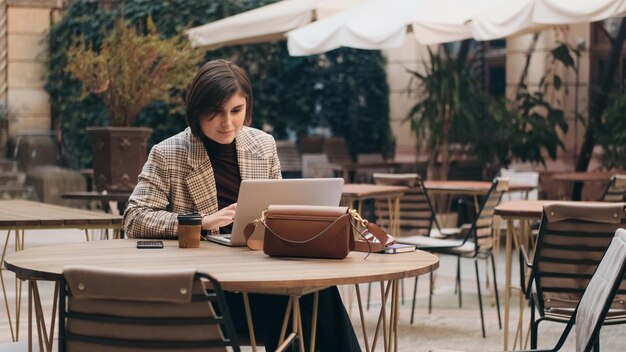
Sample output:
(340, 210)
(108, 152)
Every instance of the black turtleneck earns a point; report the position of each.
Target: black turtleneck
(226, 170)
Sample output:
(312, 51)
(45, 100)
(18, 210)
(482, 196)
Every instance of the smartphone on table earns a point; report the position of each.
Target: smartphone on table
(149, 244)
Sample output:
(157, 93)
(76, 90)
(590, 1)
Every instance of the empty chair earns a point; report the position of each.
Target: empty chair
(476, 242)
(367, 164)
(526, 178)
(572, 239)
(597, 299)
(416, 217)
(337, 151)
(290, 161)
(311, 144)
(416, 212)
(616, 189)
(104, 310)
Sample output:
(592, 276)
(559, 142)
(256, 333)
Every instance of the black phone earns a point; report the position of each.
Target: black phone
(149, 244)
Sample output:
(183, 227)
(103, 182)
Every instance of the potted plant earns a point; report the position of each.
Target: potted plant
(129, 71)
(449, 102)
(453, 109)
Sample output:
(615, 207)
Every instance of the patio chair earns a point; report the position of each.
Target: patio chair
(616, 189)
(475, 242)
(417, 216)
(572, 239)
(311, 144)
(104, 310)
(597, 300)
(337, 151)
(290, 161)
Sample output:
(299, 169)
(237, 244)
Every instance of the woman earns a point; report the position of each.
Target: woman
(200, 169)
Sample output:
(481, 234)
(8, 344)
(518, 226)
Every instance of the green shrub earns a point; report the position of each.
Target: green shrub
(345, 90)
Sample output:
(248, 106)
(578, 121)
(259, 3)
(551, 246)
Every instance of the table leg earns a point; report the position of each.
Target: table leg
(4, 292)
(293, 310)
(358, 297)
(316, 297)
(382, 316)
(283, 330)
(507, 281)
(246, 304)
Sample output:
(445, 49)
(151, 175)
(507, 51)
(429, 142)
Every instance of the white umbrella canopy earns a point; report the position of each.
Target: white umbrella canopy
(523, 16)
(266, 23)
(382, 24)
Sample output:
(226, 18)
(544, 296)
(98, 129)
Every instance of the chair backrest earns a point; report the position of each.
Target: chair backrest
(290, 161)
(572, 239)
(336, 150)
(526, 178)
(313, 144)
(600, 293)
(105, 310)
(466, 170)
(482, 227)
(416, 211)
(616, 189)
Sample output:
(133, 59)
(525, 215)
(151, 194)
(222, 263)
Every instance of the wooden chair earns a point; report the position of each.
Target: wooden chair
(290, 161)
(102, 310)
(616, 189)
(311, 144)
(476, 242)
(572, 239)
(337, 151)
(417, 216)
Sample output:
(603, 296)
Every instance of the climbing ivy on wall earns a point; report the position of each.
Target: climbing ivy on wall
(344, 90)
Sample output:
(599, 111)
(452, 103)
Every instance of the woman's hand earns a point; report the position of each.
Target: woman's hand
(221, 218)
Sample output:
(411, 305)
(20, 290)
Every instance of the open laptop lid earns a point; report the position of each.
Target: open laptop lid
(256, 195)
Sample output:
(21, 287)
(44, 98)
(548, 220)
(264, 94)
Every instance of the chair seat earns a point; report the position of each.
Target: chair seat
(447, 245)
(445, 232)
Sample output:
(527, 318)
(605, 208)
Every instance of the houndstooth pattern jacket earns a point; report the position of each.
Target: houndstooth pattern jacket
(178, 178)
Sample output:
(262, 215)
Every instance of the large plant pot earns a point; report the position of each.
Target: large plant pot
(118, 156)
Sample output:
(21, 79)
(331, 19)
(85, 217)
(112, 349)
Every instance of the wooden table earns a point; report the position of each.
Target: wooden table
(358, 192)
(524, 211)
(20, 215)
(104, 198)
(569, 178)
(471, 188)
(347, 168)
(237, 268)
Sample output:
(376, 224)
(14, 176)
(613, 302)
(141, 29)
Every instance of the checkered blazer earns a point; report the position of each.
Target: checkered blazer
(178, 178)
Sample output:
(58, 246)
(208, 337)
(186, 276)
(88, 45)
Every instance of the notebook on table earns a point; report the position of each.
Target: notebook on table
(256, 195)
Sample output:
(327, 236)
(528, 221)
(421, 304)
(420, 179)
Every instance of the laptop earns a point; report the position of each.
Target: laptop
(256, 195)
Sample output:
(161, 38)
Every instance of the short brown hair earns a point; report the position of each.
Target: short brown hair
(215, 83)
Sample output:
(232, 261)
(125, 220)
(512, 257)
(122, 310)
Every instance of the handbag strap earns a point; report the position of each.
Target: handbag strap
(373, 238)
(248, 231)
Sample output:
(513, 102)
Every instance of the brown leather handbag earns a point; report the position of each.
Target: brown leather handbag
(307, 231)
(316, 232)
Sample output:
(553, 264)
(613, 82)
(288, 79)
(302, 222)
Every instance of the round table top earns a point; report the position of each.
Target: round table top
(583, 176)
(529, 209)
(521, 208)
(471, 186)
(237, 268)
(366, 190)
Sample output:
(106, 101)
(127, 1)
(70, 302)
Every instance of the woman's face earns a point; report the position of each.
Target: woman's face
(223, 125)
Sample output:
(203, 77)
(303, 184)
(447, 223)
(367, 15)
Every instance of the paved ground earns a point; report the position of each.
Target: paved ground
(447, 327)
